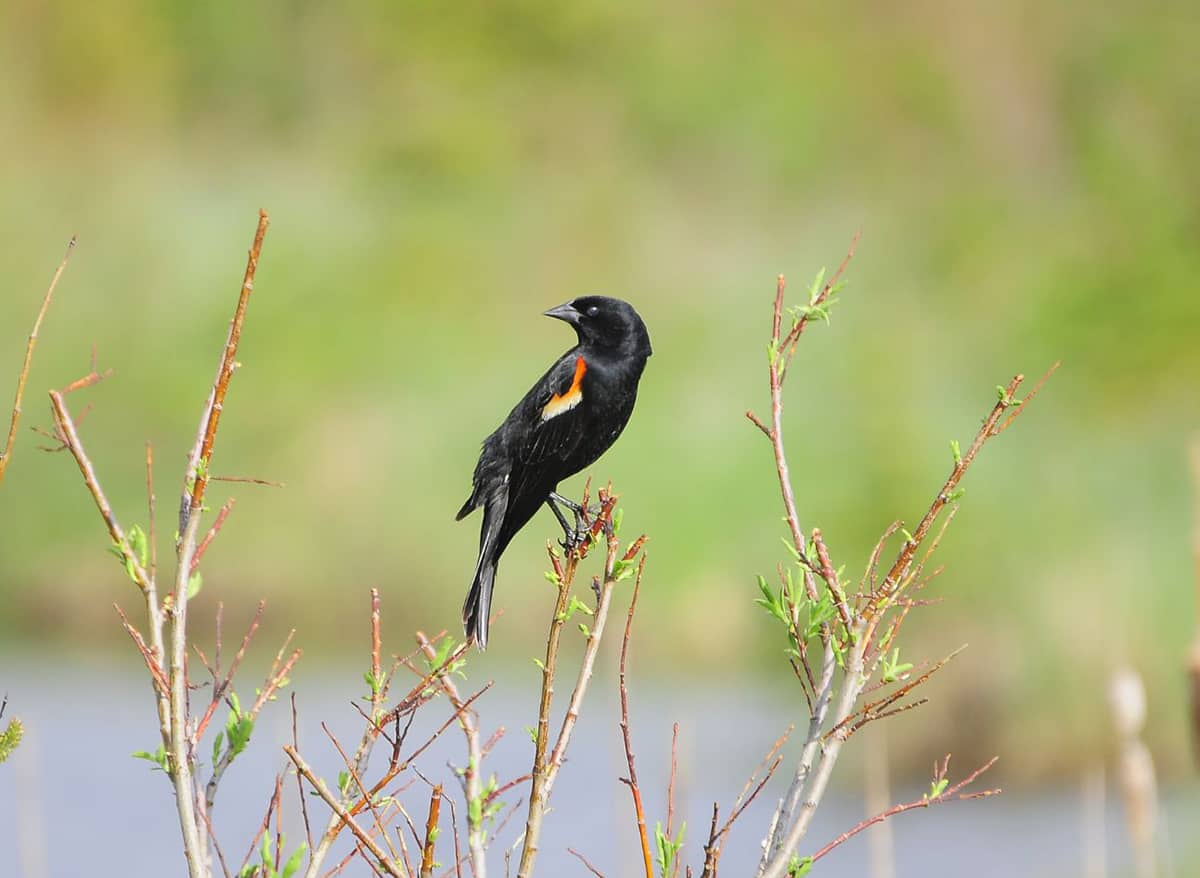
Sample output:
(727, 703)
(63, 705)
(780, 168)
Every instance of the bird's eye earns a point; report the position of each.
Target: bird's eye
(593, 311)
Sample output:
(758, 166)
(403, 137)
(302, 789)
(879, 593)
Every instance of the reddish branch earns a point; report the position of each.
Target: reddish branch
(587, 865)
(869, 622)
(993, 426)
(431, 831)
(472, 771)
(9, 443)
(66, 426)
(632, 781)
(202, 453)
(953, 793)
(717, 837)
(218, 523)
(342, 815)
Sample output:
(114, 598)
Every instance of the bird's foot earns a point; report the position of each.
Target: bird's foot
(575, 537)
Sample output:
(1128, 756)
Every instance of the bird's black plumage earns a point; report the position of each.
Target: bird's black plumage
(564, 423)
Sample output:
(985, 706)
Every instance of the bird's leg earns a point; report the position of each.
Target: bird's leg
(572, 536)
(575, 507)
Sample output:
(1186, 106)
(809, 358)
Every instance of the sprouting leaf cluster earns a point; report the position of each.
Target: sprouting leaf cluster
(668, 848)
(267, 867)
(235, 735)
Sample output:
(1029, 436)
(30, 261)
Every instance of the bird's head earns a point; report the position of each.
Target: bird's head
(605, 323)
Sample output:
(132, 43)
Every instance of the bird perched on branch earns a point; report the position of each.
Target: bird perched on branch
(571, 416)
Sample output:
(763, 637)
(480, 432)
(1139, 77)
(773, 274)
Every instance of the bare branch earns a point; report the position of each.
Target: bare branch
(431, 830)
(10, 442)
(632, 781)
(341, 813)
(950, 794)
(585, 862)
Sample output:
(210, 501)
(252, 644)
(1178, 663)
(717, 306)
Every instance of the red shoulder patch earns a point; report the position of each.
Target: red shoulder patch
(571, 397)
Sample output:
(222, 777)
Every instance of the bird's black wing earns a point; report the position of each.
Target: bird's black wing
(545, 427)
(552, 414)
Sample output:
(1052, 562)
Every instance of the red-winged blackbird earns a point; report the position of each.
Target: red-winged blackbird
(564, 423)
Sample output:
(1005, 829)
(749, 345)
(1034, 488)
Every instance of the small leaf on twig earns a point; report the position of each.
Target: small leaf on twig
(158, 757)
(799, 866)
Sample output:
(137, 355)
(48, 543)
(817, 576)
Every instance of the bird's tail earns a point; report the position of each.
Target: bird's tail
(477, 607)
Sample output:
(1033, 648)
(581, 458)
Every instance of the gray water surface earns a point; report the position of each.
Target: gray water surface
(74, 803)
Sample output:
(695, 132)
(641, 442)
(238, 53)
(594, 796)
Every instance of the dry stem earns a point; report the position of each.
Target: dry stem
(10, 442)
(545, 767)
(632, 781)
(834, 714)
(950, 794)
(341, 815)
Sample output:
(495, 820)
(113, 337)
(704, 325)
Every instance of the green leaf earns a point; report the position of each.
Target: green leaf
(195, 583)
(956, 451)
(216, 748)
(937, 787)
(376, 683)
(139, 544)
(814, 289)
(799, 866)
(158, 757)
(293, 863)
(10, 738)
(343, 782)
(268, 860)
(668, 848)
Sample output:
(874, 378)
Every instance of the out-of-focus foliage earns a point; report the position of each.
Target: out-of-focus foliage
(1025, 177)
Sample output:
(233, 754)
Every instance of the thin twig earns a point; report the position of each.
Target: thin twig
(273, 804)
(545, 768)
(218, 523)
(951, 793)
(341, 813)
(585, 862)
(198, 460)
(431, 832)
(472, 771)
(632, 781)
(300, 784)
(7, 452)
(671, 788)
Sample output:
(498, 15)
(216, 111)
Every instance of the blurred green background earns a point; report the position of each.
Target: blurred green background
(1026, 182)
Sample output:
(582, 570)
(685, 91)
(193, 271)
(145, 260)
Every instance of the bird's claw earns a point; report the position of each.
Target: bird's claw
(573, 539)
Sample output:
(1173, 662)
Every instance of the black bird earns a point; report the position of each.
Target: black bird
(564, 423)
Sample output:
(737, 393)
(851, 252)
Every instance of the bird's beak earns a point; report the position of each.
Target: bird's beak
(565, 312)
